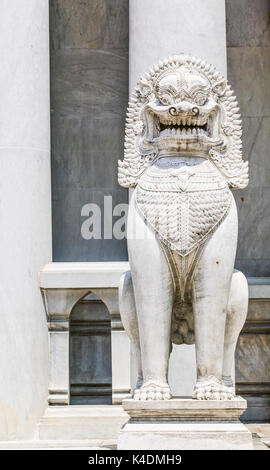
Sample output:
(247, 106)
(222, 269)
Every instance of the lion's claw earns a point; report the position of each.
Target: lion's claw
(211, 388)
(153, 391)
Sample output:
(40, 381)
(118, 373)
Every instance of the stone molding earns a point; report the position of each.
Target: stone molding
(63, 285)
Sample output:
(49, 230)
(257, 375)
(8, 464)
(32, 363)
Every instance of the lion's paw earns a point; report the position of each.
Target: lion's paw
(211, 388)
(153, 391)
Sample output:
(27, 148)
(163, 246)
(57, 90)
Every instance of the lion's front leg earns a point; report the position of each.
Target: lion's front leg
(211, 288)
(153, 291)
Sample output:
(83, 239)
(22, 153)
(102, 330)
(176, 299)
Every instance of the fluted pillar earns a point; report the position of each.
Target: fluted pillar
(159, 28)
(25, 213)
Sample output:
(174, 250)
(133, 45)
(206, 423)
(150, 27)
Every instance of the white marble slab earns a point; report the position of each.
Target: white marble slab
(79, 275)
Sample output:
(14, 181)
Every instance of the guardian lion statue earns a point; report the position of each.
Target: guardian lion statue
(182, 156)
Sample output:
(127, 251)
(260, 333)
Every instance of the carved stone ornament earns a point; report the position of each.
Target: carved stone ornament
(183, 104)
(183, 154)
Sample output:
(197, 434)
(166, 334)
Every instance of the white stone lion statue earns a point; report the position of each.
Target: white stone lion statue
(182, 156)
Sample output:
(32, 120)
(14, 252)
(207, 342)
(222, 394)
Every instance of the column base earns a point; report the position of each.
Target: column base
(184, 424)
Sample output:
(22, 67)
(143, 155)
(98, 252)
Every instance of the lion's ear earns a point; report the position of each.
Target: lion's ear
(219, 87)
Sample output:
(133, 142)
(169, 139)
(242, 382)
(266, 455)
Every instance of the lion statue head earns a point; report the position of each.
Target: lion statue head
(183, 106)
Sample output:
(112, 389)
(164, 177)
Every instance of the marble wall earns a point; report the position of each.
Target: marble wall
(248, 57)
(89, 93)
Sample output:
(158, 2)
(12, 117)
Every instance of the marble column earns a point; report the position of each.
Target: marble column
(158, 29)
(25, 213)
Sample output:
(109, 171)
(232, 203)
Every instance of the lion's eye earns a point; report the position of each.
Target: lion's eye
(166, 99)
(200, 98)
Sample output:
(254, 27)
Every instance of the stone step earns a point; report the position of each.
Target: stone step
(90, 444)
(81, 422)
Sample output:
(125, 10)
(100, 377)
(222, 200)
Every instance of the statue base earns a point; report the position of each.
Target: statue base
(184, 424)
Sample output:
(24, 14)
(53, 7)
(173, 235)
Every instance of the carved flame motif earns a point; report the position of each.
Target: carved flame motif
(183, 106)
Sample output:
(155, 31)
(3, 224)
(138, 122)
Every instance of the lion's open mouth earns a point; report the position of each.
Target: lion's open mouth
(184, 128)
(183, 132)
(172, 130)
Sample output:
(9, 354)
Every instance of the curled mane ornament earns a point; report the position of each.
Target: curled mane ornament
(183, 105)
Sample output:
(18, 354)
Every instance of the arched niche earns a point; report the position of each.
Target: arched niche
(90, 362)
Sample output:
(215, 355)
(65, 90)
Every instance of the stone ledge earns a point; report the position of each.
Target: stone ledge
(259, 287)
(185, 409)
(81, 422)
(76, 275)
(82, 275)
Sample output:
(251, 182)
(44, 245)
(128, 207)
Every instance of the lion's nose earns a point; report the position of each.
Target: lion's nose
(173, 111)
(195, 110)
(183, 107)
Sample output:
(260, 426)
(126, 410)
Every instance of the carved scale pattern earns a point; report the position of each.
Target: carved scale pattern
(180, 206)
(183, 220)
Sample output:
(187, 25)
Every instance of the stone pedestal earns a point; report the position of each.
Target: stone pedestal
(185, 424)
